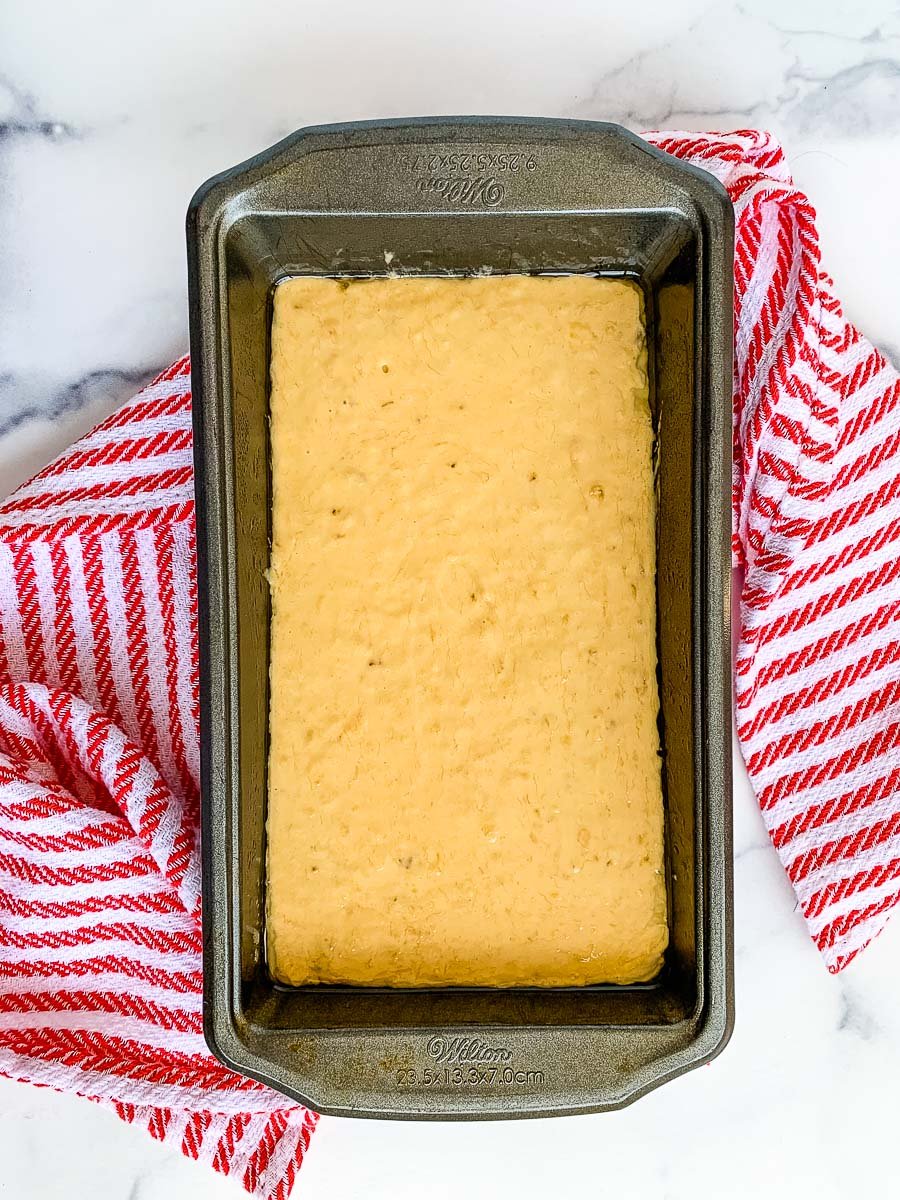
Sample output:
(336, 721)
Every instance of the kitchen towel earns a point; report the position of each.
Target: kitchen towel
(100, 950)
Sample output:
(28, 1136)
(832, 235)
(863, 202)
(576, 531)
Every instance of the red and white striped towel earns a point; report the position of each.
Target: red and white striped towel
(100, 981)
(100, 948)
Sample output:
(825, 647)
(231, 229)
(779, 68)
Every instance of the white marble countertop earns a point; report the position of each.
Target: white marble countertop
(112, 115)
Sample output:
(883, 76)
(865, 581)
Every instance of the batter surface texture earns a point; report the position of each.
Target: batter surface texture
(464, 780)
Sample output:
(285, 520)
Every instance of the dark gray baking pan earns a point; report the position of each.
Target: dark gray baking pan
(457, 196)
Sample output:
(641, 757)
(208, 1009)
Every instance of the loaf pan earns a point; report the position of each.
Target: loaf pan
(458, 196)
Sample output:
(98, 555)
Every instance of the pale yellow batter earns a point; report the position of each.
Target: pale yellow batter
(464, 784)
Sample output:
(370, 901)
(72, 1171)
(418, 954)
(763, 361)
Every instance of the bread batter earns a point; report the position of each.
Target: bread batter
(464, 781)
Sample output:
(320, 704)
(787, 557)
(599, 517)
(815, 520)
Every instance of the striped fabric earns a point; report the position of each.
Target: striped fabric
(100, 948)
(816, 536)
(100, 981)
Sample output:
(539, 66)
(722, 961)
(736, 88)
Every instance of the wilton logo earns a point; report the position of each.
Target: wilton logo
(485, 191)
(466, 1050)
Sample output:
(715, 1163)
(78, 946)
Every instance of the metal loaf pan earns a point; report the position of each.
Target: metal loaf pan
(458, 196)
